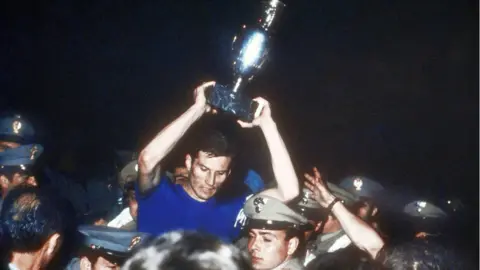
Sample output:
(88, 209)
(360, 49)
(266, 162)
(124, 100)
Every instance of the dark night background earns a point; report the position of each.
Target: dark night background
(387, 89)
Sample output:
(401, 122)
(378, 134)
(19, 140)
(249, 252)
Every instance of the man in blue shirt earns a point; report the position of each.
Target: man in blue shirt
(165, 206)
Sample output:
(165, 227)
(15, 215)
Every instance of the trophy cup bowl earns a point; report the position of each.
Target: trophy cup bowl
(250, 51)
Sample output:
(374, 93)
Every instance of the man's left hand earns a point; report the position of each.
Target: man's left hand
(262, 115)
(318, 188)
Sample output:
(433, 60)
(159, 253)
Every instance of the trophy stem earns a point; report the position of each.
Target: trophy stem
(237, 85)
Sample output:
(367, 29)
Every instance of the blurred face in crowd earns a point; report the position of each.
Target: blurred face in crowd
(315, 226)
(132, 204)
(50, 249)
(206, 174)
(100, 264)
(331, 225)
(270, 248)
(8, 145)
(17, 179)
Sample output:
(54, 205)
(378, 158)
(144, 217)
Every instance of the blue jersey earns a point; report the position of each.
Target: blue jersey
(168, 207)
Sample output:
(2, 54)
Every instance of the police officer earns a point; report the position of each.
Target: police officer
(15, 166)
(361, 186)
(104, 247)
(342, 232)
(275, 234)
(330, 236)
(427, 219)
(126, 219)
(15, 131)
(368, 193)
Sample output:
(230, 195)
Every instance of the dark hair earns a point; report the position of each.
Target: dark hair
(419, 254)
(215, 144)
(28, 218)
(188, 250)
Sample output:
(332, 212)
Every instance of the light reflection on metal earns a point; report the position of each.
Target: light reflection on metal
(250, 47)
(422, 204)
(252, 51)
(270, 13)
(358, 183)
(16, 126)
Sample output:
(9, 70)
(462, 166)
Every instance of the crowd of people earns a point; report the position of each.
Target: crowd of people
(181, 219)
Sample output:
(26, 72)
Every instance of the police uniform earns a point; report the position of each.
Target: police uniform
(427, 218)
(370, 192)
(114, 245)
(128, 176)
(327, 242)
(128, 173)
(361, 186)
(15, 128)
(424, 209)
(22, 156)
(19, 159)
(265, 212)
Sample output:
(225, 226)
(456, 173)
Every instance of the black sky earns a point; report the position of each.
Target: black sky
(384, 88)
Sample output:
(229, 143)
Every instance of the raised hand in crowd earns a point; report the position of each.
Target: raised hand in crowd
(361, 234)
(319, 189)
(200, 96)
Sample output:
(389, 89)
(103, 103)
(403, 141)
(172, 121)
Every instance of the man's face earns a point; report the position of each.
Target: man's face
(207, 174)
(267, 248)
(4, 145)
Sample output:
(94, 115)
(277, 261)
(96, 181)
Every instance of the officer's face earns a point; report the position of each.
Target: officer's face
(4, 145)
(207, 174)
(269, 248)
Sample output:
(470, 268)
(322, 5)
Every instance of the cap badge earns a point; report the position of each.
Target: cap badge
(33, 152)
(259, 203)
(16, 126)
(134, 242)
(358, 183)
(306, 196)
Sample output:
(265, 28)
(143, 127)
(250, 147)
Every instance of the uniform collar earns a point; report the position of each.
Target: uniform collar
(291, 264)
(324, 237)
(323, 242)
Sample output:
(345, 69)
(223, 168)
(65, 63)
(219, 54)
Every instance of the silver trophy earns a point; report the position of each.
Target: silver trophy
(250, 50)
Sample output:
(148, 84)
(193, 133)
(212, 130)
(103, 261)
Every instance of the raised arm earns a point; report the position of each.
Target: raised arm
(163, 143)
(361, 234)
(287, 181)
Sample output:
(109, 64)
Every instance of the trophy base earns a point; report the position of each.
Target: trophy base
(222, 98)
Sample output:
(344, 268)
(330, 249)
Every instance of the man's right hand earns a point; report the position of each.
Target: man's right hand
(148, 161)
(200, 97)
